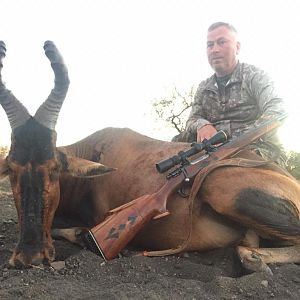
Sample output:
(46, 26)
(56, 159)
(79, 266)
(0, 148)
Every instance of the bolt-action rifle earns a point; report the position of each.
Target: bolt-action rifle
(111, 236)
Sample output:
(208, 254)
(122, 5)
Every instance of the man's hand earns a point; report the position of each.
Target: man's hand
(205, 132)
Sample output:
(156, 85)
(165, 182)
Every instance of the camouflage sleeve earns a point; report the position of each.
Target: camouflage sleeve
(196, 118)
(263, 90)
(270, 106)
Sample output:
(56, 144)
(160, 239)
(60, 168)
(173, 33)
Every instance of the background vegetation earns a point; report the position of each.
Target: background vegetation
(3, 151)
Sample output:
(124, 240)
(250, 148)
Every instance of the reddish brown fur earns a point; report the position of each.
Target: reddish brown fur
(135, 156)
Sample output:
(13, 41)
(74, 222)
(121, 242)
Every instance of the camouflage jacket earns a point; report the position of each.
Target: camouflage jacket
(248, 97)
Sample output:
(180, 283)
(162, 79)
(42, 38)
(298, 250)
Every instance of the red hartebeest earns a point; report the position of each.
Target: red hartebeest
(239, 205)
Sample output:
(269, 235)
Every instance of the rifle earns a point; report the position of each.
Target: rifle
(111, 236)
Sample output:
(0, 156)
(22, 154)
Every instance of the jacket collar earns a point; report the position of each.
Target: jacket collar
(235, 77)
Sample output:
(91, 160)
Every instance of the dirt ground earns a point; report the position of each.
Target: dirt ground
(79, 274)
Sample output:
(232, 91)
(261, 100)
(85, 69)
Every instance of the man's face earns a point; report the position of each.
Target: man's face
(222, 50)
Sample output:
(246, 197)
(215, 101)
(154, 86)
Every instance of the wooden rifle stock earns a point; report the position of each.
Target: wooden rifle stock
(120, 227)
(123, 223)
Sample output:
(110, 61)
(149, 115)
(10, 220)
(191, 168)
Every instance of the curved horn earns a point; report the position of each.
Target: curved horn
(17, 114)
(47, 113)
(2, 51)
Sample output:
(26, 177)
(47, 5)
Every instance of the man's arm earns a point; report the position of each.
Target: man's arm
(197, 122)
(270, 106)
(262, 87)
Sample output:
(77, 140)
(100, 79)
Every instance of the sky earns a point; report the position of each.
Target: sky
(123, 54)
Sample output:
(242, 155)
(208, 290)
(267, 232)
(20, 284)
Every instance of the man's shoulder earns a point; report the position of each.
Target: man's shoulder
(249, 69)
(245, 72)
(207, 82)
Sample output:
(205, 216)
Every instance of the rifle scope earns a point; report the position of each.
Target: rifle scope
(219, 138)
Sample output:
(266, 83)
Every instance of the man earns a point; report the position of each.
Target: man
(235, 98)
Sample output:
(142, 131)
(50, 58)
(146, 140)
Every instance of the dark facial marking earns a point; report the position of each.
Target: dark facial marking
(32, 186)
(32, 142)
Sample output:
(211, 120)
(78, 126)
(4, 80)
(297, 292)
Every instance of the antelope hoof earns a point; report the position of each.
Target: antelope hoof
(252, 261)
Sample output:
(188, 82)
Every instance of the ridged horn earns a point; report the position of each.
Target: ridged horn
(17, 114)
(2, 50)
(48, 112)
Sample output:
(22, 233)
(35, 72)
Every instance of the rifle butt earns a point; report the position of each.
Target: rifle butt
(110, 237)
(91, 242)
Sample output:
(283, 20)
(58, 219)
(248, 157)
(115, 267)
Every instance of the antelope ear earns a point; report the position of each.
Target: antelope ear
(3, 168)
(79, 167)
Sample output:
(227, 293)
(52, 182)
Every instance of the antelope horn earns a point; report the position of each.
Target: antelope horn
(47, 113)
(17, 114)
(2, 51)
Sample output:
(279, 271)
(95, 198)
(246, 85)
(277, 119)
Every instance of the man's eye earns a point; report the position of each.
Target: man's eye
(210, 45)
(222, 42)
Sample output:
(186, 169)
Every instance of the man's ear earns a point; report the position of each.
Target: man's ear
(3, 168)
(79, 167)
(238, 47)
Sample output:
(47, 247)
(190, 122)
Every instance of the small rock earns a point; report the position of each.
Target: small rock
(265, 283)
(296, 279)
(10, 221)
(58, 265)
(5, 274)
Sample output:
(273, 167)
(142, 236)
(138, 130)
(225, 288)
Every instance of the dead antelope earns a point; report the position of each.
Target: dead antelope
(235, 206)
